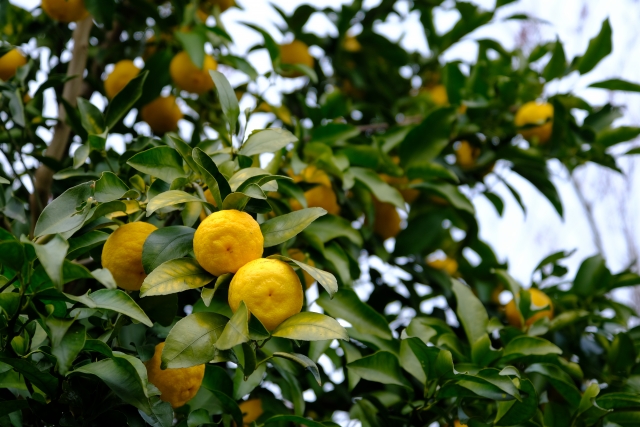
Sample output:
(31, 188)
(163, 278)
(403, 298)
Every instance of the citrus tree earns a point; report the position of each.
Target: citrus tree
(199, 280)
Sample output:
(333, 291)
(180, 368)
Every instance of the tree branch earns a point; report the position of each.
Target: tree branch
(60, 142)
(589, 214)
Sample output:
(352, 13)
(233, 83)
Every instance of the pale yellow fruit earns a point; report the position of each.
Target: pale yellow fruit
(466, 155)
(227, 240)
(178, 386)
(319, 196)
(535, 113)
(122, 254)
(65, 10)
(270, 289)
(298, 255)
(295, 53)
(187, 76)
(439, 95)
(538, 299)
(351, 44)
(123, 72)
(449, 265)
(10, 62)
(162, 114)
(251, 410)
(387, 220)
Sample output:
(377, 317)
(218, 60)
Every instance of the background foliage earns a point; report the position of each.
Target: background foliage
(72, 344)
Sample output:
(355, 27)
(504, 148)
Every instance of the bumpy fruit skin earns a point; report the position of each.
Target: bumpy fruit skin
(251, 410)
(270, 289)
(162, 114)
(535, 113)
(10, 62)
(294, 53)
(123, 72)
(387, 220)
(65, 10)
(298, 255)
(187, 76)
(227, 240)
(538, 299)
(449, 265)
(319, 197)
(178, 386)
(466, 155)
(122, 254)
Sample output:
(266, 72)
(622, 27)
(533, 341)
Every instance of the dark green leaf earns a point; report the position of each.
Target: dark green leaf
(284, 227)
(65, 213)
(192, 340)
(228, 99)
(266, 141)
(346, 305)
(617, 84)
(382, 367)
(236, 331)
(166, 244)
(109, 187)
(124, 100)
(91, 117)
(161, 162)
(173, 276)
(599, 47)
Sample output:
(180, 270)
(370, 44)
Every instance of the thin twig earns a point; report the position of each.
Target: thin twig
(589, 214)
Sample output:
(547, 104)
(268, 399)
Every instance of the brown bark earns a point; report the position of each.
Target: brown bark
(60, 142)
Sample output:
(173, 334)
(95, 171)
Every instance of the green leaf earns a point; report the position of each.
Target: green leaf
(470, 311)
(162, 162)
(65, 213)
(425, 141)
(9, 406)
(588, 398)
(193, 43)
(333, 133)
(236, 331)
(284, 227)
(124, 100)
(266, 141)
(91, 118)
(613, 136)
(67, 347)
(173, 276)
(217, 183)
(185, 151)
(309, 326)
(450, 193)
(517, 412)
(166, 244)
(557, 64)
(228, 99)
(383, 191)
(192, 340)
(16, 106)
(198, 417)
(228, 406)
(41, 379)
(382, 367)
(113, 299)
(324, 278)
(287, 419)
(170, 198)
(330, 227)
(599, 47)
(616, 84)
(109, 187)
(347, 305)
(51, 256)
(593, 276)
(560, 380)
(525, 346)
(302, 360)
(414, 358)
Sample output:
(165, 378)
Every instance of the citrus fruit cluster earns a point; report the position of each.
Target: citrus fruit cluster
(225, 242)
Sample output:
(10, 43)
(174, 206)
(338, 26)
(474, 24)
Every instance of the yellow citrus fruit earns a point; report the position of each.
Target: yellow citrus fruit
(251, 410)
(534, 121)
(447, 264)
(312, 175)
(123, 72)
(319, 197)
(162, 114)
(294, 53)
(202, 15)
(351, 44)
(10, 62)
(178, 386)
(209, 197)
(387, 220)
(122, 254)
(270, 289)
(187, 76)
(227, 240)
(65, 10)
(538, 299)
(298, 255)
(438, 95)
(466, 155)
